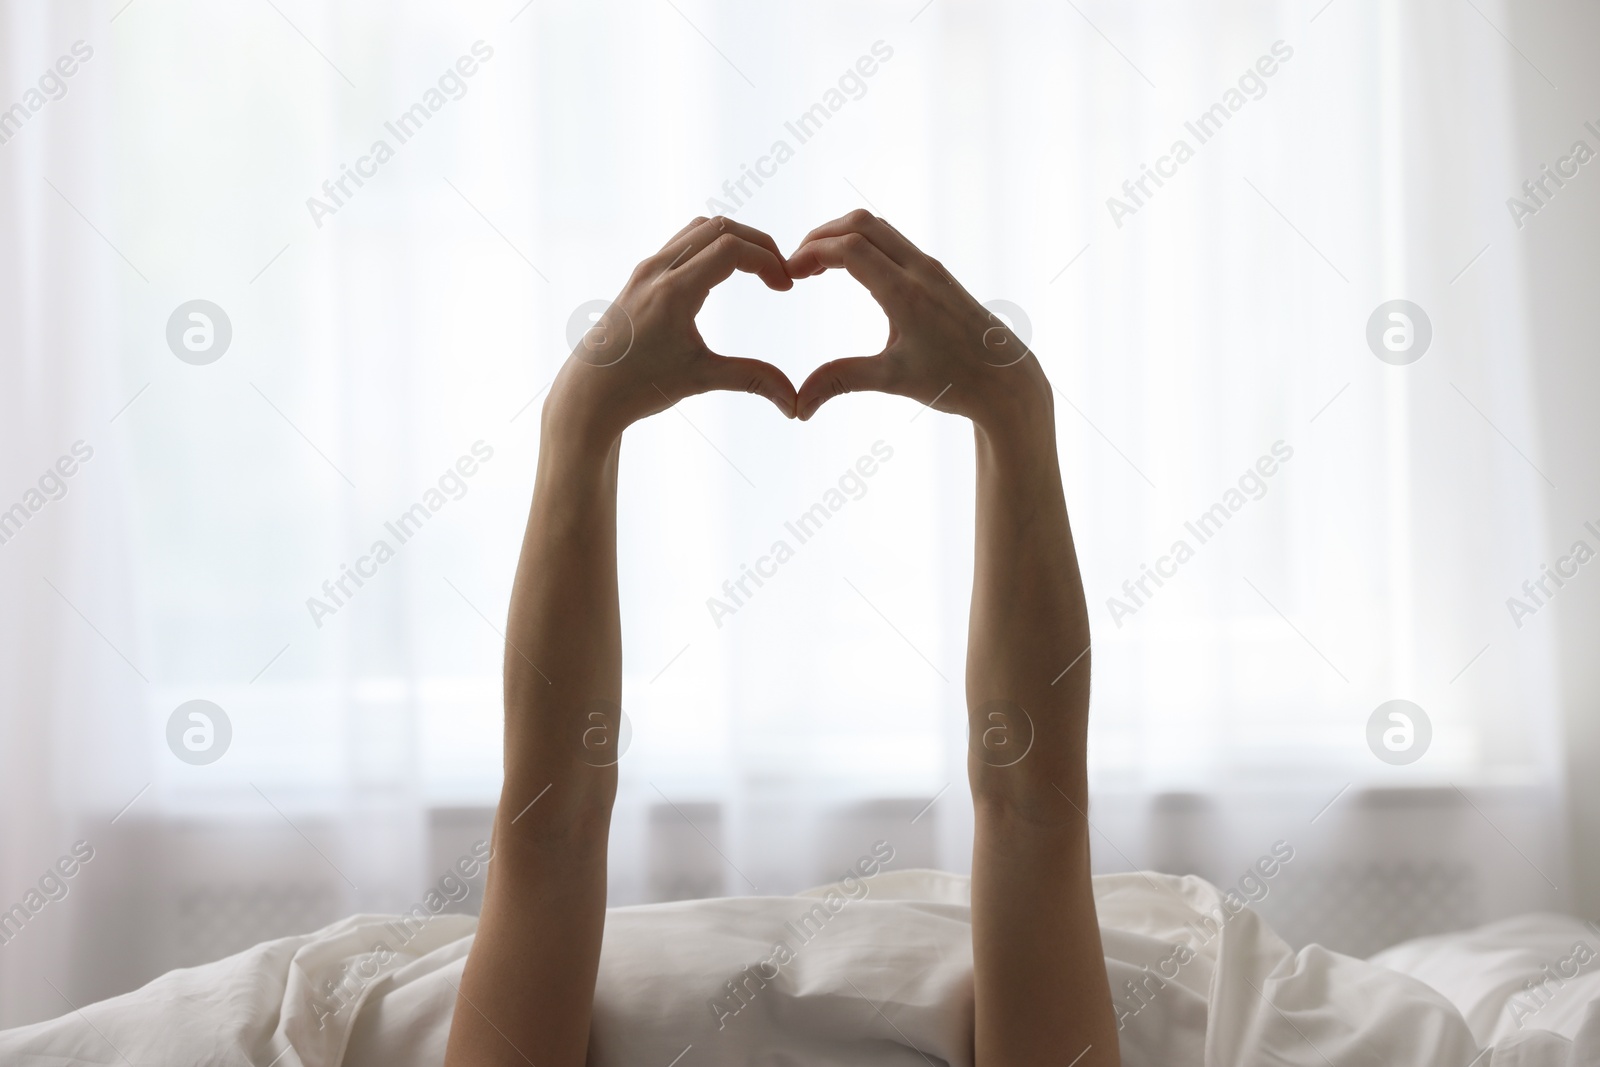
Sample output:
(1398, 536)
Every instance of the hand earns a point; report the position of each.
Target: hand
(645, 354)
(945, 349)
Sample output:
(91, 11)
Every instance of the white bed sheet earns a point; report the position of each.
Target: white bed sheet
(884, 978)
(1537, 972)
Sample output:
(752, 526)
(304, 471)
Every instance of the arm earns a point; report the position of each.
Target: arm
(528, 989)
(1039, 972)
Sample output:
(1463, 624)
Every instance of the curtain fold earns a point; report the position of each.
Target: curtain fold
(74, 645)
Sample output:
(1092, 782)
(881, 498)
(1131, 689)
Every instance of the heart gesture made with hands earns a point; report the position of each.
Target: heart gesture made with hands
(1039, 981)
(644, 353)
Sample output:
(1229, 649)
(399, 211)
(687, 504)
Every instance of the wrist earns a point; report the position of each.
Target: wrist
(573, 422)
(1018, 405)
(1018, 431)
(578, 459)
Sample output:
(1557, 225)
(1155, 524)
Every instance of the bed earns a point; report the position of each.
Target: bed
(873, 972)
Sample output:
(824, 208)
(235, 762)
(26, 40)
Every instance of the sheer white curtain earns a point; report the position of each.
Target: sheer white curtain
(72, 742)
(383, 329)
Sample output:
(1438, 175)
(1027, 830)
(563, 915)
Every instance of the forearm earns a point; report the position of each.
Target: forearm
(1028, 621)
(1040, 979)
(563, 657)
(527, 991)
(528, 987)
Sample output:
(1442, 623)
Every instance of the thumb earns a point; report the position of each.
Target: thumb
(838, 376)
(737, 374)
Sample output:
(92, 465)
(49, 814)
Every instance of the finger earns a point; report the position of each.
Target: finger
(865, 261)
(737, 374)
(694, 239)
(755, 236)
(722, 257)
(696, 221)
(877, 230)
(837, 377)
(654, 264)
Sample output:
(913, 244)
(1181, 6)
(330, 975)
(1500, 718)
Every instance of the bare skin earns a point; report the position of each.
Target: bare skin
(1042, 996)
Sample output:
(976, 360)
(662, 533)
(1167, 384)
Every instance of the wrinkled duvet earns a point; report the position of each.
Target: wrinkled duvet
(879, 973)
